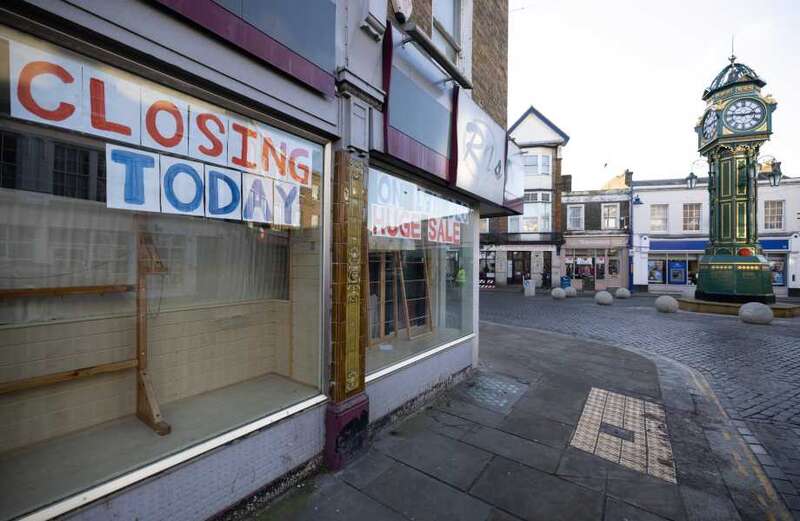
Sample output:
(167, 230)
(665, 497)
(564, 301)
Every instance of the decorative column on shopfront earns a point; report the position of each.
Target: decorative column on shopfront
(737, 121)
(347, 417)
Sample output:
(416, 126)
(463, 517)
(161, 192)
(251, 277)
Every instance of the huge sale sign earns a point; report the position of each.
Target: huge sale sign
(67, 91)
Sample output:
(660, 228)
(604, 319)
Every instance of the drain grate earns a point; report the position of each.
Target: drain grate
(494, 391)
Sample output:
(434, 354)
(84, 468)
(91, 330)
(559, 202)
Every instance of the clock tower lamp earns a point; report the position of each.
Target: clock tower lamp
(736, 122)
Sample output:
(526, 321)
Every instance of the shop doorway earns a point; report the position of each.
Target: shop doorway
(519, 266)
(547, 270)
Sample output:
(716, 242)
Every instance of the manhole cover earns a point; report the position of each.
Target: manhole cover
(494, 391)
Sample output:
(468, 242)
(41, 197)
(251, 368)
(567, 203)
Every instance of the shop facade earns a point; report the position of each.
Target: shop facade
(222, 259)
(527, 246)
(595, 254)
(670, 233)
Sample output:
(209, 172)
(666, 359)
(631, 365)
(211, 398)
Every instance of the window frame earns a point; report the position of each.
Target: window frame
(603, 218)
(453, 40)
(666, 217)
(582, 209)
(782, 223)
(699, 217)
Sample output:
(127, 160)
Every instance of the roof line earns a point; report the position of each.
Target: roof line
(542, 117)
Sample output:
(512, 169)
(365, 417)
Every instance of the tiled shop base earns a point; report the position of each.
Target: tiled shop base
(627, 431)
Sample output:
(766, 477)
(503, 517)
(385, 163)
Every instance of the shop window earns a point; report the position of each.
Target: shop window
(773, 215)
(658, 217)
(487, 266)
(655, 271)
(575, 217)
(777, 268)
(613, 266)
(610, 216)
(231, 310)
(421, 277)
(691, 217)
(600, 268)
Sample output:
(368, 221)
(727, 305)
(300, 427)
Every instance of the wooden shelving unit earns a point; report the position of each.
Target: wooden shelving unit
(148, 263)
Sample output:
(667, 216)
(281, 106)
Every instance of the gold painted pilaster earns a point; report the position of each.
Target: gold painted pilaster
(349, 269)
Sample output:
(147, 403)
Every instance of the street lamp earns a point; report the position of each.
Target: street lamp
(691, 181)
(775, 175)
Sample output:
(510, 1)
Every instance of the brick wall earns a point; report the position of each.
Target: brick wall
(490, 57)
(422, 14)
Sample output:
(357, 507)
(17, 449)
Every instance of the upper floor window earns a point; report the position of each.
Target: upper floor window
(537, 164)
(658, 217)
(484, 225)
(575, 217)
(610, 216)
(447, 27)
(773, 215)
(513, 224)
(691, 217)
(536, 218)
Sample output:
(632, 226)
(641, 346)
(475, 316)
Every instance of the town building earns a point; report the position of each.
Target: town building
(527, 246)
(670, 233)
(596, 235)
(235, 235)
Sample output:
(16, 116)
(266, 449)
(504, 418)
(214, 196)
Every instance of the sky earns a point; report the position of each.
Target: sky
(624, 78)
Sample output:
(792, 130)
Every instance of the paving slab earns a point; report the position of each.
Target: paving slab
(509, 446)
(421, 497)
(455, 463)
(532, 454)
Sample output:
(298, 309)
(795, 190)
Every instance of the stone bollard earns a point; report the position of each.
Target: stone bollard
(666, 304)
(570, 291)
(558, 294)
(622, 293)
(756, 313)
(603, 298)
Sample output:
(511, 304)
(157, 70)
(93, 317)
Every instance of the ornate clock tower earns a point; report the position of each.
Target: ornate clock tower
(737, 121)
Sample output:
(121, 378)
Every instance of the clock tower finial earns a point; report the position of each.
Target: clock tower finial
(732, 57)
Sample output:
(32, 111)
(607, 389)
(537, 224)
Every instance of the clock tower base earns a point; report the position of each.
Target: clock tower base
(733, 278)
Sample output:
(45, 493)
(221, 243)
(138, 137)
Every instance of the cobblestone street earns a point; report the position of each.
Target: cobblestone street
(754, 370)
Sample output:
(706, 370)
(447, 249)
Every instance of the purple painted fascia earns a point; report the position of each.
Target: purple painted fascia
(413, 152)
(233, 29)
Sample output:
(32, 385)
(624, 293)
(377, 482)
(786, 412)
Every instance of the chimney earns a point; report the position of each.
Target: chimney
(566, 183)
(628, 178)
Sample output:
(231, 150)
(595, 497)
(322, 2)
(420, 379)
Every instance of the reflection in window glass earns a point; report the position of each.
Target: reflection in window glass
(421, 253)
(658, 217)
(231, 313)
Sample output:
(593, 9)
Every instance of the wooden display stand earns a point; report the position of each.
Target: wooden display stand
(148, 262)
(399, 284)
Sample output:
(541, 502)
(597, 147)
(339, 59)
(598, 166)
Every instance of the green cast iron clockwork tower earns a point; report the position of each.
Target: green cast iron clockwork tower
(736, 122)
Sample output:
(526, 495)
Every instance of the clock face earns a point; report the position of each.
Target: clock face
(744, 114)
(710, 125)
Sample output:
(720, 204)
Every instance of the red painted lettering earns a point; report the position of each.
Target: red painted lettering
(267, 150)
(97, 97)
(26, 76)
(247, 134)
(152, 128)
(294, 166)
(216, 144)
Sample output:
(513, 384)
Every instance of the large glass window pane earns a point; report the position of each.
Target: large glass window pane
(658, 217)
(421, 277)
(231, 315)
